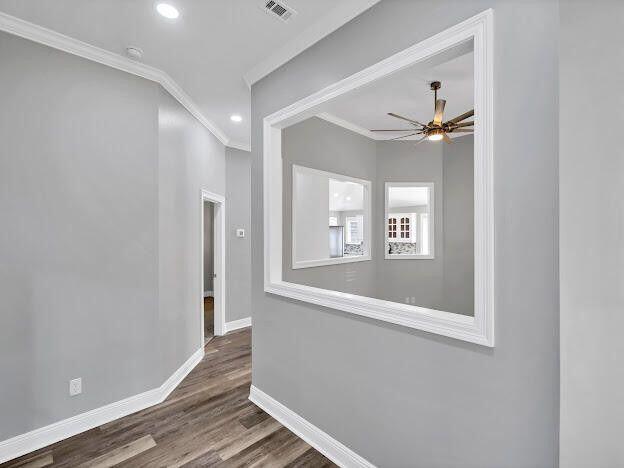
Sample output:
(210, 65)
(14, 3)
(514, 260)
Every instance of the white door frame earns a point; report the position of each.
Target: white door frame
(219, 262)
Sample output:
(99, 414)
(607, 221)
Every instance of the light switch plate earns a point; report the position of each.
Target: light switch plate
(240, 233)
(75, 387)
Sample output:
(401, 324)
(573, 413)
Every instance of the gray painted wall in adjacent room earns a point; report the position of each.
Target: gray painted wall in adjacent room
(208, 246)
(422, 279)
(318, 144)
(445, 282)
(458, 222)
(238, 215)
(400, 397)
(100, 173)
(591, 235)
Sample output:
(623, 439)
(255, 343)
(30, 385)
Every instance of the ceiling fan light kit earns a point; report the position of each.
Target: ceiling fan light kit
(437, 129)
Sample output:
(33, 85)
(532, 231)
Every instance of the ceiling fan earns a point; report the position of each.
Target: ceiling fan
(436, 129)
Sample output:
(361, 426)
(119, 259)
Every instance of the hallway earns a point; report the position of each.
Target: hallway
(206, 421)
(208, 319)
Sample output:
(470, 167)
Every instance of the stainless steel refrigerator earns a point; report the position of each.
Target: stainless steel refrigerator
(336, 241)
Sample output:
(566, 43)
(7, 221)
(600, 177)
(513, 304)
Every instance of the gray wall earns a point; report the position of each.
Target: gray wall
(100, 173)
(238, 215)
(318, 144)
(458, 221)
(592, 235)
(189, 159)
(402, 397)
(208, 246)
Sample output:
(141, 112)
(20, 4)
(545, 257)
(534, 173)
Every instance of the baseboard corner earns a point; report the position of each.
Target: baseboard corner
(334, 450)
(36, 439)
(237, 324)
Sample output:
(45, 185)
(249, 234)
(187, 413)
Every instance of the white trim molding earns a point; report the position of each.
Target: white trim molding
(331, 118)
(50, 38)
(208, 293)
(239, 146)
(337, 452)
(237, 324)
(219, 282)
(476, 329)
(44, 436)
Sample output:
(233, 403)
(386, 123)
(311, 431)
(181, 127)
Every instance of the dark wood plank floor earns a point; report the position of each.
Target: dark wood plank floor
(208, 318)
(206, 421)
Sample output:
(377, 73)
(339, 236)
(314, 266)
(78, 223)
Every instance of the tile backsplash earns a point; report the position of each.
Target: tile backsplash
(353, 249)
(403, 248)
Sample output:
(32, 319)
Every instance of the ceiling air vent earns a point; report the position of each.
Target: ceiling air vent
(278, 9)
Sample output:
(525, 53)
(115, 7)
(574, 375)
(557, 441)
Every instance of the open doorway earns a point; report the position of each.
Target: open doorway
(209, 271)
(212, 266)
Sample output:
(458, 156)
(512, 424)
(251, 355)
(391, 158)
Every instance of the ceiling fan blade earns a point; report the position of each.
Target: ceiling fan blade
(405, 118)
(461, 130)
(421, 140)
(446, 138)
(464, 124)
(394, 130)
(439, 111)
(403, 136)
(464, 116)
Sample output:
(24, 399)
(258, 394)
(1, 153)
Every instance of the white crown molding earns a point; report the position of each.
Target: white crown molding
(331, 118)
(50, 38)
(337, 452)
(239, 146)
(337, 17)
(237, 324)
(44, 436)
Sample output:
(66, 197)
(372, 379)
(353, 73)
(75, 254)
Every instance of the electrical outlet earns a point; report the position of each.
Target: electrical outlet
(240, 233)
(75, 386)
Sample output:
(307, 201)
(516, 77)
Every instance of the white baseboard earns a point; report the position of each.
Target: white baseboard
(208, 293)
(44, 436)
(236, 324)
(321, 441)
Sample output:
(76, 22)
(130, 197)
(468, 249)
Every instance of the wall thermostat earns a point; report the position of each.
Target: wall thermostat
(240, 233)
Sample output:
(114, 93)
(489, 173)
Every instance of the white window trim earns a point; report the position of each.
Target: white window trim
(431, 254)
(476, 329)
(367, 215)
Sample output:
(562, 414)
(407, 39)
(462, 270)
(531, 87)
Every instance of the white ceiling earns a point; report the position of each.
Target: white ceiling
(408, 93)
(408, 196)
(213, 51)
(345, 196)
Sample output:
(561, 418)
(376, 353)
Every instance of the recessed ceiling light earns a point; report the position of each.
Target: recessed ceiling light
(236, 118)
(335, 194)
(348, 198)
(167, 10)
